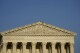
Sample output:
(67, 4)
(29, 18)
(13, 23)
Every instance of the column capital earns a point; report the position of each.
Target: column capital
(44, 43)
(53, 43)
(24, 43)
(63, 43)
(14, 43)
(5, 43)
(72, 43)
(34, 43)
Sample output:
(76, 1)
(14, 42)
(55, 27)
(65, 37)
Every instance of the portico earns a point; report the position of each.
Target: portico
(41, 47)
(37, 38)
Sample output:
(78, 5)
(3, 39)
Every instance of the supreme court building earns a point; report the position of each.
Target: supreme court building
(38, 37)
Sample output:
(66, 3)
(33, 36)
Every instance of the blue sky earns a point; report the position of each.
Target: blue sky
(61, 13)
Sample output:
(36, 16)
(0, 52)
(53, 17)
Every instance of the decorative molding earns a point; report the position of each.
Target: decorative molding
(38, 29)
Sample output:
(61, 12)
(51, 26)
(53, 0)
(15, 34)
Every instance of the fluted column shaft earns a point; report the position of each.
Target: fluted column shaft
(67, 49)
(14, 47)
(63, 48)
(24, 47)
(53, 48)
(33, 47)
(4, 47)
(72, 47)
(40, 51)
(44, 47)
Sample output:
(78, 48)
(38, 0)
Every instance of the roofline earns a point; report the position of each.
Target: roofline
(48, 25)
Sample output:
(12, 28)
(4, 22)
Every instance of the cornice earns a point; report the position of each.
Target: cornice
(38, 35)
(38, 23)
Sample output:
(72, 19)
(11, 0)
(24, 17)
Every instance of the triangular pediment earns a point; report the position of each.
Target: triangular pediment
(38, 28)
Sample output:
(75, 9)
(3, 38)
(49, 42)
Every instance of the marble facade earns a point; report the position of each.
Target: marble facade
(38, 37)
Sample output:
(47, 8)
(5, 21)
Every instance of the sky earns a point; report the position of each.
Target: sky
(61, 13)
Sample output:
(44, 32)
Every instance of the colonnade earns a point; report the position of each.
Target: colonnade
(52, 47)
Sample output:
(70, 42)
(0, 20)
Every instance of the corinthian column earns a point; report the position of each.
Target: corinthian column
(33, 47)
(24, 47)
(72, 48)
(14, 47)
(4, 47)
(44, 47)
(63, 48)
(53, 48)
